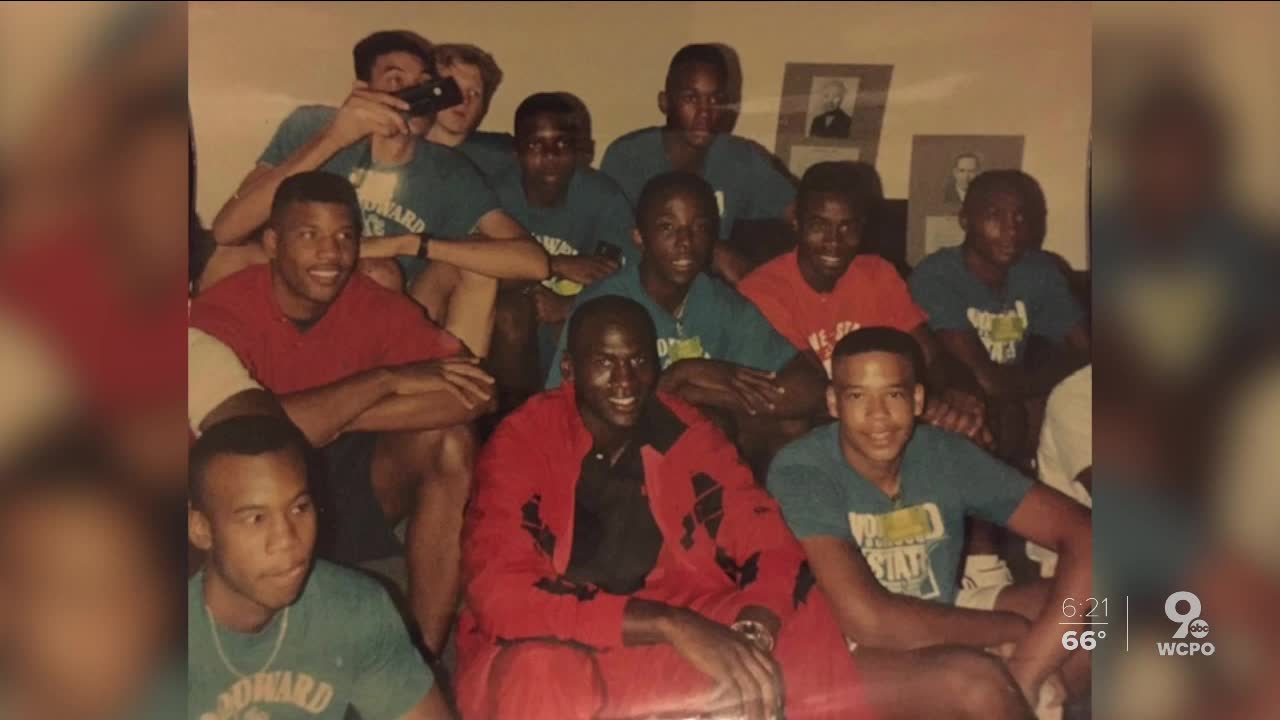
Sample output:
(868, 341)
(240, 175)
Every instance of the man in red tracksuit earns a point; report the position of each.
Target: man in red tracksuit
(621, 562)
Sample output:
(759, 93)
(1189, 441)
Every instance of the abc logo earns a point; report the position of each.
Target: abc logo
(1189, 622)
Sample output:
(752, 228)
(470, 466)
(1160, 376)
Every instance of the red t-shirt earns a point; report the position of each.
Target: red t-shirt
(367, 327)
(870, 294)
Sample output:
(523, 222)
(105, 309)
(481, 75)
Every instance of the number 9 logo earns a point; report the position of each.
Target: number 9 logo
(1183, 619)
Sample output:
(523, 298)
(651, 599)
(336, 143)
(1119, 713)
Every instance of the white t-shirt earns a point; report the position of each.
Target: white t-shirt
(1066, 448)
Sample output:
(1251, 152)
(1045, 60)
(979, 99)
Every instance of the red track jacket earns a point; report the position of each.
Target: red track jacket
(722, 535)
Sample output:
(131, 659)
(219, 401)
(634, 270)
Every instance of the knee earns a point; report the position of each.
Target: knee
(544, 680)
(448, 455)
(384, 271)
(979, 684)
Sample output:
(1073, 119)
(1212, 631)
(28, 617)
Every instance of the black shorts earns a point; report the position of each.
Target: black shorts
(352, 525)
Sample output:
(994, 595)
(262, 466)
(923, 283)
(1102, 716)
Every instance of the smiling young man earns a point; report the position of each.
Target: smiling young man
(272, 632)
(621, 561)
(879, 503)
(422, 203)
(826, 289)
(574, 212)
(385, 394)
(716, 349)
(747, 185)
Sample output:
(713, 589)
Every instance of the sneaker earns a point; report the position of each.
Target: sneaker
(986, 571)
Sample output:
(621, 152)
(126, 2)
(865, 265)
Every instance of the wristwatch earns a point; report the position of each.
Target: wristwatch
(756, 632)
(424, 241)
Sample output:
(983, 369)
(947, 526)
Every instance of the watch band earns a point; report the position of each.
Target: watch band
(424, 242)
(756, 632)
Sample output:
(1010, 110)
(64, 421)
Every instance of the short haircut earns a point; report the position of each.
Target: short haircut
(610, 307)
(1017, 182)
(450, 54)
(835, 83)
(964, 155)
(317, 186)
(367, 51)
(246, 435)
(697, 54)
(882, 339)
(550, 104)
(663, 187)
(856, 182)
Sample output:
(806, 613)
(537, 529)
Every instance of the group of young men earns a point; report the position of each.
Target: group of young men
(712, 490)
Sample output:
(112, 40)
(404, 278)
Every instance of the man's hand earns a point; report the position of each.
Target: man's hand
(1033, 686)
(582, 269)
(549, 307)
(959, 412)
(748, 681)
(367, 112)
(460, 376)
(756, 391)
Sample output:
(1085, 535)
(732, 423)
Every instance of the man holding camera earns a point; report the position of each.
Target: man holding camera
(422, 203)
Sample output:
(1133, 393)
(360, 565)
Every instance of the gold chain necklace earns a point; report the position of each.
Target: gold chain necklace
(217, 643)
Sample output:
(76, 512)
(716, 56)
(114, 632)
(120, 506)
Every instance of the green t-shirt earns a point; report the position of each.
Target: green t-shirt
(1036, 301)
(746, 179)
(718, 323)
(345, 645)
(914, 546)
(493, 153)
(439, 191)
(595, 210)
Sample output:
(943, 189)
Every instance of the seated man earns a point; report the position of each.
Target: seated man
(825, 289)
(879, 504)
(622, 562)
(420, 201)
(368, 378)
(583, 221)
(986, 298)
(478, 77)
(748, 185)
(1064, 459)
(716, 348)
(272, 632)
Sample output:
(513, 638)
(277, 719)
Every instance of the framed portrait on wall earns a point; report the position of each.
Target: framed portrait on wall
(831, 112)
(942, 166)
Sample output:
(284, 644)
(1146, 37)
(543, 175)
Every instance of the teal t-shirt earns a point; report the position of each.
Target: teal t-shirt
(747, 183)
(345, 645)
(595, 210)
(1036, 301)
(439, 191)
(493, 153)
(718, 323)
(914, 546)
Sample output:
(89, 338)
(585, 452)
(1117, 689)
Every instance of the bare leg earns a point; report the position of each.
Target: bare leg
(227, 260)
(1028, 600)
(513, 355)
(940, 683)
(462, 301)
(426, 477)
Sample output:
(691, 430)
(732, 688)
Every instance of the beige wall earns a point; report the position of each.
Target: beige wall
(971, 68)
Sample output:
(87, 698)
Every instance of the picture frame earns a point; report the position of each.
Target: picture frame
(831, 112)
(941, 168)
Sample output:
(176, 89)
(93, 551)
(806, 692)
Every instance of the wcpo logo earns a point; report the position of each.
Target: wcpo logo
(1189, 623)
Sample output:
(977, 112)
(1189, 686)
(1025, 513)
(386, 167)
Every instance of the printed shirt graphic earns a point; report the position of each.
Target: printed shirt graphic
(345, 645)
(717, 323)
(595, 211)
(439, 191)
(915, 547)
(870, 294)
(1036, 301)
(748, 186)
